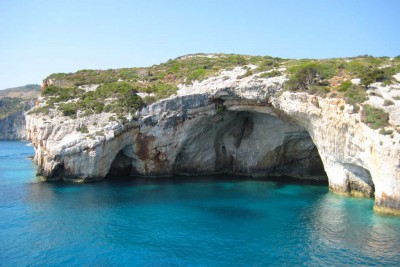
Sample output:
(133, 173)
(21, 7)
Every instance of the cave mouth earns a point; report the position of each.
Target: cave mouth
(121, 167)
(249, 143)
(236, 143)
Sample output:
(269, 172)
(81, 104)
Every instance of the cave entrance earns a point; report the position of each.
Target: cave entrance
(250, 144)
(122, 164)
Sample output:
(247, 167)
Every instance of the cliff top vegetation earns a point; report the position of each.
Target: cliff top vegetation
(117, 88)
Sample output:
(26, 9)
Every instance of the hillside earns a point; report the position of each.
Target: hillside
(14, 102)
(29, 91)
(17, 99)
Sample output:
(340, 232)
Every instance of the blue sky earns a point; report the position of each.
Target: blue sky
(38, 38)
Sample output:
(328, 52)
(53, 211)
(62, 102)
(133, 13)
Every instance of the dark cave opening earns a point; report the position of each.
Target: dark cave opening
(250, 144)
(121, 166)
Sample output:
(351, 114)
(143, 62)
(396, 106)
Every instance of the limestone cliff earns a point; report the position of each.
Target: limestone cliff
(234, 123)
(13, 127)
(14, 102)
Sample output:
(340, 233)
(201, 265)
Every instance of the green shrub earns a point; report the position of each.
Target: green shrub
(356, 67)
(385, 132)
(304, 75)
(376, 94)
(246, 74)
(125, 99)
(149, 99)
(50, 90)
(82, 129)
(68, 109)
(45, 110)
(344, 86)
(355, 94)
(197, 74)
(303, 78)
(164, 90)
(374, 117)
(265, 65)
(319, 90)
(373, 75)
(274, 73)
(388, 102)
(325, 69)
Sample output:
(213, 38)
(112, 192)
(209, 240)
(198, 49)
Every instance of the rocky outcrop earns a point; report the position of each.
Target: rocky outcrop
(227, 125)
(358, 160)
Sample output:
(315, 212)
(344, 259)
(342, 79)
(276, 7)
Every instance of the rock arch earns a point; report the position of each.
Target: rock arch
(249, 143)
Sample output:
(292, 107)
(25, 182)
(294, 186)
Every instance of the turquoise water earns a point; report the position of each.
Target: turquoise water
(202, 221)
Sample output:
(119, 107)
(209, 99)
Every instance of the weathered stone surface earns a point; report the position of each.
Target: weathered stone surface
(225, 125)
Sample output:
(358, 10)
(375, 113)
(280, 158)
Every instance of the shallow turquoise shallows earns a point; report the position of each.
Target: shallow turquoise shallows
(201, 221)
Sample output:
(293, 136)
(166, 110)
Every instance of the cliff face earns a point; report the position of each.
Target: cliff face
(13, 127)
(225, 125)
(358, 160)
(14, 102)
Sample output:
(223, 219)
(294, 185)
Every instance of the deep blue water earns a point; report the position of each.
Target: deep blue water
(202, 221)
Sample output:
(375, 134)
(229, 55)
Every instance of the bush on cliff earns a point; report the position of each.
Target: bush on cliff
(344, 86)
(122, 98)
(305, 75)
(374, 117)
(117, 97)
(321, 77)
(372, 75)
(174, 71)
(303, 78)
(270, 74)
(197, 74)
(68, 109)
(354, 94)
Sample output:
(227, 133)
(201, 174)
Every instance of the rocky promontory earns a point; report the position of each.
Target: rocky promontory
(335, 119)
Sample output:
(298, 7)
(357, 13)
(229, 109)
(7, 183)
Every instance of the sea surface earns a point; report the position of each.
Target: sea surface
(200, 221)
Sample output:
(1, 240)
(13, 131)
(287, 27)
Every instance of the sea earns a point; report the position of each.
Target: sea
(184, 221)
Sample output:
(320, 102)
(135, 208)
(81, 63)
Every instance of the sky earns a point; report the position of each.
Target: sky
(40, 37)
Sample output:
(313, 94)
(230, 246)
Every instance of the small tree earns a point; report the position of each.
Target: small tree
(372, 75)
(304, 78)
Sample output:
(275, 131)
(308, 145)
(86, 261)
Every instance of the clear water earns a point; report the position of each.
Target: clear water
(207, 221)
